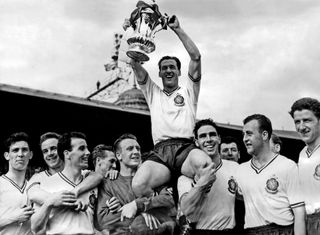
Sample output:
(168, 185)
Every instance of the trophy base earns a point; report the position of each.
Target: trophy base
(137, 55)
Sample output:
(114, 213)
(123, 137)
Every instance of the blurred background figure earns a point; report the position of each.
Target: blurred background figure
(275, 143)
(230, 149)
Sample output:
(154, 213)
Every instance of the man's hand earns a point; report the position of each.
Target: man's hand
(62, 198)
(112, 174)
(80, 205)
(22, 214)
(207, 176)
(129, 210)
(173, 22)
(113, 204)
(151, 221)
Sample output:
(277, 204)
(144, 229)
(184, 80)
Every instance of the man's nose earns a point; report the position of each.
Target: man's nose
(20, 153)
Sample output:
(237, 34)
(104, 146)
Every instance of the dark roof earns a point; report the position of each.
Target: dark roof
(110, 106)
(67, 98)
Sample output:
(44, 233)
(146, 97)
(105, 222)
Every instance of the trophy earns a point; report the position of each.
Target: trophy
(145, 21)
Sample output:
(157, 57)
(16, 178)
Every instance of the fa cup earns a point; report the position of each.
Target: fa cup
(145, 21)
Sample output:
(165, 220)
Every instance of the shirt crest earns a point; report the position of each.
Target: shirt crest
(272, 185)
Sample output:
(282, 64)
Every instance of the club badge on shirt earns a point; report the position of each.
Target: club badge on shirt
(316, 173)
(92, 199)
(272, 185)
(232, 185)
(179, 100)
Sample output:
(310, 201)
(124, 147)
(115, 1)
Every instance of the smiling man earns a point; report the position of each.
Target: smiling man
(306, 115)
(269, 184)
(119, 211)
(173, 115)
(54, 164)
(15, 210)
(57, 214)
(209, 201)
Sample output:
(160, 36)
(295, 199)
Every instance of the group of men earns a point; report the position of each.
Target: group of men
(189, 156)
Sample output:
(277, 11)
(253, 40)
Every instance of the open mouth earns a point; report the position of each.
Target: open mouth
(169, 75)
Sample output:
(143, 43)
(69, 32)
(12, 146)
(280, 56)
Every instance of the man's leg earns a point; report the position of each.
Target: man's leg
(195, 161)
(150, 175)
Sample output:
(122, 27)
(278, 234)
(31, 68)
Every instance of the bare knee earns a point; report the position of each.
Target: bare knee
(196, 160)
(149, 176)
(141, 186)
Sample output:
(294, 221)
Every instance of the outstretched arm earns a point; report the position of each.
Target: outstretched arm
(92, 180)
(193, 51)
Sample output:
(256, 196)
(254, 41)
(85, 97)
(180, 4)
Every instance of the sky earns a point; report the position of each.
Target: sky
(258, 56)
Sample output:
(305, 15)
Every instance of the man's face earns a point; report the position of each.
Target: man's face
(208, 140)
(18, 156)
(49, 150)
(307, 125)
(169, 73)
(252, 138)
(107, 163)
(129, 153)
(79, 154)
(229, 151)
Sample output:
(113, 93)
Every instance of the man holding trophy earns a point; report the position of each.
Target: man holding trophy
(173, 109)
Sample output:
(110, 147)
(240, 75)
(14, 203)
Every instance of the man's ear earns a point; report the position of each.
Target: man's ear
(265, 135)
(196, 142)
(31, 155)
(6, 155)
(118, 155)
(66, 154)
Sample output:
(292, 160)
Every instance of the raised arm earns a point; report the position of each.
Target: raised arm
(193, 51)
(140, 72)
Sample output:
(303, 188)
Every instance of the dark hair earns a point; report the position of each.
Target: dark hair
(64, 142)
(264, 123)
(204, 122)
(49, 135)
(16, 137)
(116, 144)
(99, 151)
(276, 140)
(306, 103)
(170, 58)
(229, 140)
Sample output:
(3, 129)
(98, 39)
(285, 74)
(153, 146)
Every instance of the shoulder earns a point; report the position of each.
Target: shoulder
(286, 161)
(230, 163)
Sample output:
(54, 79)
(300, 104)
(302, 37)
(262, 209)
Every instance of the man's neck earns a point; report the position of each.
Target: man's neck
(127, 171)
(216, 159)
(59, 168)
(170, 89)
(263, 157)
(312, 146)
(17, 176)
(72, 174)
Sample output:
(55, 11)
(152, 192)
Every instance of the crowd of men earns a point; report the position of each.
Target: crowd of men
(192, 173)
